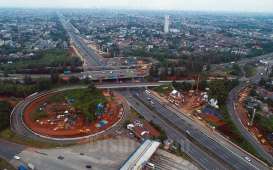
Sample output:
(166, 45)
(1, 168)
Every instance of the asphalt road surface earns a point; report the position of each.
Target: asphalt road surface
(8, 149)
(18, 126)
(232, 99)
(206, 144)
(90, 57)
(197, 154)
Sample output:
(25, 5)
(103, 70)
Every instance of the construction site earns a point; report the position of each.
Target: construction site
(248, 109)
(61, 119)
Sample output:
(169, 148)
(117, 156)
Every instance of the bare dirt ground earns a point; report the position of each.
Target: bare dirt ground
(243, 114)
(54, 125)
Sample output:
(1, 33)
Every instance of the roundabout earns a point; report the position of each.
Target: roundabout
(60, 116)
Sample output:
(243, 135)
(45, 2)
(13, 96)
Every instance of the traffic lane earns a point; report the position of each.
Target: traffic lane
(236, 119)
(196, 155)
(8, 149)
(201, 138)
(208, 142)
(193, 151)
(90, 61)
(236, 150)
(240, 154)
(90, 53)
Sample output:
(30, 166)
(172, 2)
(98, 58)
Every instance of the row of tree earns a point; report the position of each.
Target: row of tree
(5, 109)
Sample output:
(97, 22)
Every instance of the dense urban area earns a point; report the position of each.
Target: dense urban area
(132, 89)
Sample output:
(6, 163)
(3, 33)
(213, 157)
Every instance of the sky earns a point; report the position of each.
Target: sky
(192, 5)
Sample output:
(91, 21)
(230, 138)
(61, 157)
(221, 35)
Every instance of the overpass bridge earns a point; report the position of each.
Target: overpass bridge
(128, 85)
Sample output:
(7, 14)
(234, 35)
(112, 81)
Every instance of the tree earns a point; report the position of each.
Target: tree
(219, 89)
(236, 70)
(6, 73)
(28, 79)
(75, 61)
(87, 81)
(5, 110)
(92, 88)
(73, 80)
(54, 76)
(44, 84)
(181, 86)
(90, 115)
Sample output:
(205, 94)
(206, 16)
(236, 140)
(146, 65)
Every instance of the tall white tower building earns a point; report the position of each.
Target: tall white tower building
(167, 24)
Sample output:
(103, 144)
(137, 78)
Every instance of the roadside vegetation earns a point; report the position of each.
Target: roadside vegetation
(17, 89)
(30, 86)
(5, 165)
(5, 109)
(7, 134)
(83, 100)
(266, 123)
(220, 90)
(250, 70)
(38, 63)
(164, 89)
(38, 114)
(236, 70)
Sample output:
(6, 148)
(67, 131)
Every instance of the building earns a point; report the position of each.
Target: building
(167, 24)
(140, 157)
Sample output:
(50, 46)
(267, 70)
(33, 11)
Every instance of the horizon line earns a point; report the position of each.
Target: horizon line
(139, 9)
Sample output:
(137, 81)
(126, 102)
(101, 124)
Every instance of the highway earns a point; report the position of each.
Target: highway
(93, 60)
(90, 57)
(9, 149)
(201, 157)
(231, 102)
(204, 142)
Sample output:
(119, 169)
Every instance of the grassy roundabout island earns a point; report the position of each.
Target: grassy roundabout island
(72, 113)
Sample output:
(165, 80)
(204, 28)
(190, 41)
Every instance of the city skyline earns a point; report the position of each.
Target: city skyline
(194, 5)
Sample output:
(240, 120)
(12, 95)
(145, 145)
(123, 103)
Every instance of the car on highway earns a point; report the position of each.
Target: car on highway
(31, 166)
(16, 157)
(147, 92)
(188, 132)
(60, 157)
(247, 158)
(88, 166)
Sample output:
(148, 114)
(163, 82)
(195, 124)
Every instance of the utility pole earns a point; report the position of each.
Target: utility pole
(253, 116)
(197, 85)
